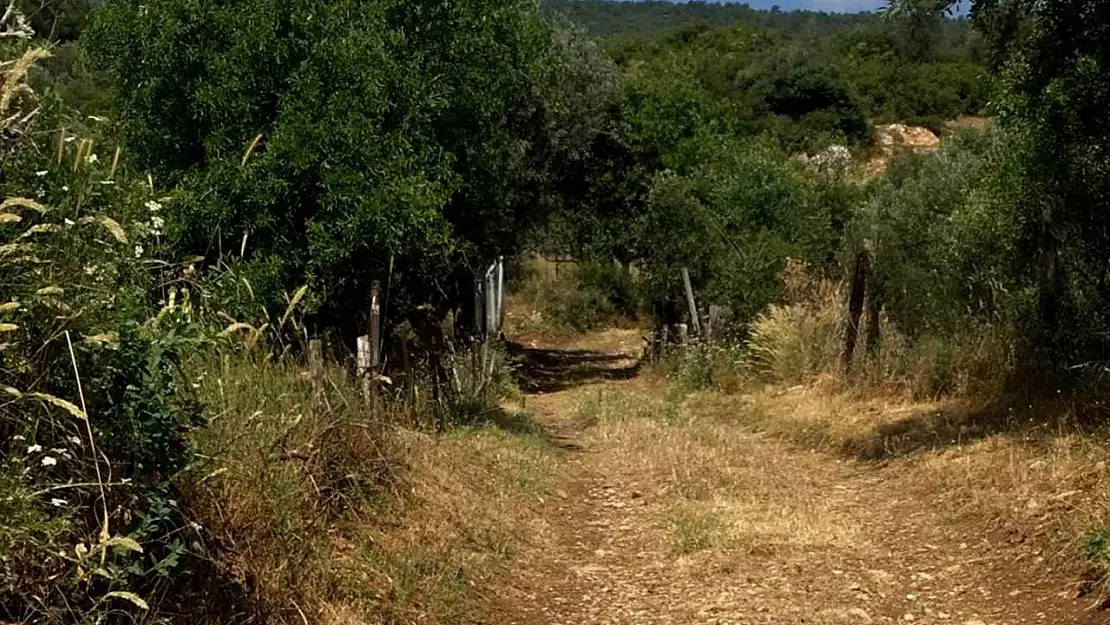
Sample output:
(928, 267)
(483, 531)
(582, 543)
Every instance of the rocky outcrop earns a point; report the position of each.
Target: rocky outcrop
(894, 139)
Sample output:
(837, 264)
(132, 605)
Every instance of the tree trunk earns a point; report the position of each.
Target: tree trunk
(874, 310)
(1051, 281)
(855, 307)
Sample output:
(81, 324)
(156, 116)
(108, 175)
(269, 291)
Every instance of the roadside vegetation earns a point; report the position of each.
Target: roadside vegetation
(193, 193)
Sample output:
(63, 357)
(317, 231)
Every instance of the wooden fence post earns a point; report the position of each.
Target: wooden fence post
(713, 323)
(500, 294)
(874, 311)
(364, 367)
(375, 327)
(694, 323)
(316, 363)
(368, 351)
(479, 311)
(491, 322)
(491, 301)
(410, 376)
(860, 274)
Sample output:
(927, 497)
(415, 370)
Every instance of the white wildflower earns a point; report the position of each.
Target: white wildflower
(138, 251)
(48, 461)
(31, 449)
(76, 440)
(92, 158)
(90, 270)
(58, 503)
(65, 187)
(157, 222)
(42, 173)
(153, 206)
(196, 526)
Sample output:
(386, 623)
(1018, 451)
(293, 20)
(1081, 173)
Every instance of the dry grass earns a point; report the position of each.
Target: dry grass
(720, 486)
(785, 487)
(813, 503)
(469, 505)
(1034, 475)
(804, 338)
(322, 511)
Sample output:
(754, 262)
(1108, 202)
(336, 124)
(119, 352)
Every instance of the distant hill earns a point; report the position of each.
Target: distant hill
(604, 18)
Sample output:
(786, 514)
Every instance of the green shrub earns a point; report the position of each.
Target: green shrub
(328, 144)
(95, 417)
(733, 221)
(580, 297)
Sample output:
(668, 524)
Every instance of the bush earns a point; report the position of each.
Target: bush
(943, 231)
(733, 221)
(794, 343)
(579, 297)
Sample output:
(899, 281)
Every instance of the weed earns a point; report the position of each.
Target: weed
(694, 528)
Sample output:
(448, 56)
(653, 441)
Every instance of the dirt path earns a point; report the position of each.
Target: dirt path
(683, 519)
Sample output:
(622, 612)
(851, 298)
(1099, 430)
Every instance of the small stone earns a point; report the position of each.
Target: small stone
(860, 615)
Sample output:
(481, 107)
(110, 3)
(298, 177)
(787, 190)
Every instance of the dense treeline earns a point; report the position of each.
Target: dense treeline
(187, 180)
(604, 19)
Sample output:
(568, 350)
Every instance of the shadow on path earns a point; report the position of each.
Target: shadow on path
(1030, 421)
(550, 370)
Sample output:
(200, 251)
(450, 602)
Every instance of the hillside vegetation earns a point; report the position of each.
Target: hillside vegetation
(199, 202)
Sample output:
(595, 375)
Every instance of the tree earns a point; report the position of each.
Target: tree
(337, 142)
(1051, 56)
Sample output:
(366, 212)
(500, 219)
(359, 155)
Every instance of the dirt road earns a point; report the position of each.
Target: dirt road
(667, 516)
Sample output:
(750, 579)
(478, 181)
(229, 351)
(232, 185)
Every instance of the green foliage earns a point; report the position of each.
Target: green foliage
(1052, 56)
(943, 231)
(652, 17)
(1098, 546)
(733, 220)
(810, 93)
(56, 20)
(341, 141)
(581, 297)
(94, 418)
(809, 88)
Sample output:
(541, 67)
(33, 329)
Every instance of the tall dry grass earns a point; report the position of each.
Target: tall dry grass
(321, 510)
(803, 339)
